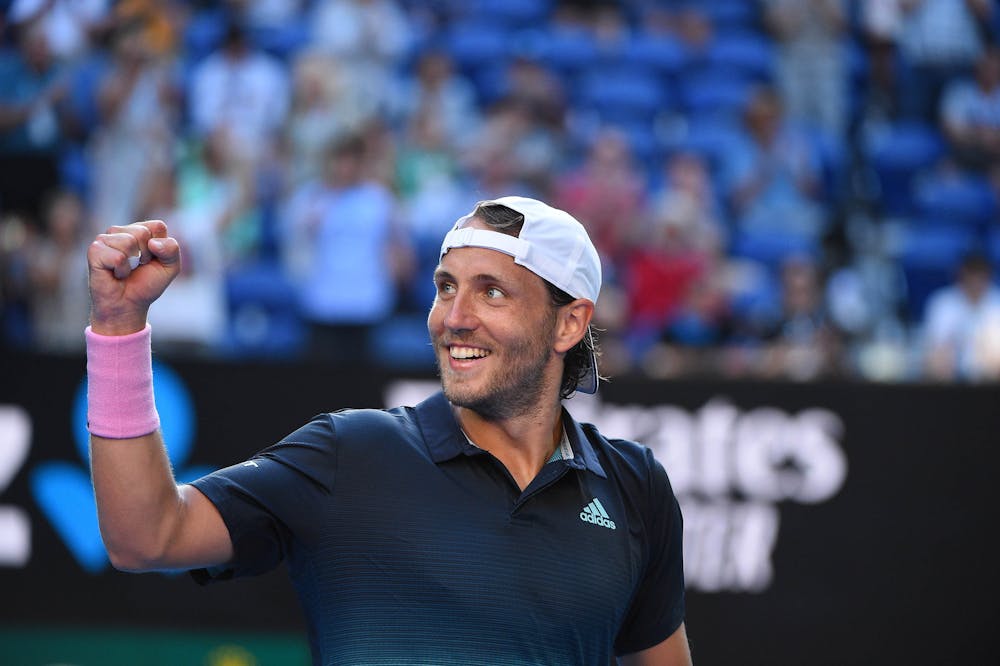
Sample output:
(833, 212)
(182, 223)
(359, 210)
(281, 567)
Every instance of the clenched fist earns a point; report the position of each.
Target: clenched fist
(130, 267)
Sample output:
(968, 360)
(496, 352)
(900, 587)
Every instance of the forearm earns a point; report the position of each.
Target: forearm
(136, 495)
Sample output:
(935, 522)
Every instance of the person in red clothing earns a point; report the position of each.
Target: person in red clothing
(605, 194)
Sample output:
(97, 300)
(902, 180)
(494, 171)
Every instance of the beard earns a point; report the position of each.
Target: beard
(514, 389)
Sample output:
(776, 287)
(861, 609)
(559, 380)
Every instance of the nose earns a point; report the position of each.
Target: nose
(459, 312)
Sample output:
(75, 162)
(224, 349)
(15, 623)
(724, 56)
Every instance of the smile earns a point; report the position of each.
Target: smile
(465, 353)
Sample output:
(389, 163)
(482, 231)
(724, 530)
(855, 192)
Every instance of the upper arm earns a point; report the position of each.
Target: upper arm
(674, 651)
(657, 607)
(202, 538)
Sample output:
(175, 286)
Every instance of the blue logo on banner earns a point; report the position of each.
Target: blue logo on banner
(63, 490)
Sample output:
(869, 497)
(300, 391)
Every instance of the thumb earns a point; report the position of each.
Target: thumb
(166, 250)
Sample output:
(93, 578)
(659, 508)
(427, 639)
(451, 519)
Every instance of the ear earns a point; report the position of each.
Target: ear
(571, 325)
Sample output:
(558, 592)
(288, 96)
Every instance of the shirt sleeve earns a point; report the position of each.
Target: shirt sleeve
(261, 500)
(657, 609)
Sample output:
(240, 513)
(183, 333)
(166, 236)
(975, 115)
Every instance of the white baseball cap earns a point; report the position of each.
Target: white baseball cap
(552, 244)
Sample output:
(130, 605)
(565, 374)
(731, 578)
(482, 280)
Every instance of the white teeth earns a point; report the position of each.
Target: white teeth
(467, 352)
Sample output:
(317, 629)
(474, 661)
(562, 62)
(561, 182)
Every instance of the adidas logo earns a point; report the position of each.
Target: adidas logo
(595, 513)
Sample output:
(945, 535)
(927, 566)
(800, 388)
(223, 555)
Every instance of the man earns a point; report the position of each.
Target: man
(483, 526)
(961, 325)
(970, 114)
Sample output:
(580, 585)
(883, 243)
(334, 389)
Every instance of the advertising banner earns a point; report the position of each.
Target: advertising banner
(824, 523)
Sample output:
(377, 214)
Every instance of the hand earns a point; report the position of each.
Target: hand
(121, 294)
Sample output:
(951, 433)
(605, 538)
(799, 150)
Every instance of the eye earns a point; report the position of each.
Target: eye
(445, 288)
(493, 292)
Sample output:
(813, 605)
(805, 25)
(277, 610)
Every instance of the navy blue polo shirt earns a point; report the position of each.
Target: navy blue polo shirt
(407, 544)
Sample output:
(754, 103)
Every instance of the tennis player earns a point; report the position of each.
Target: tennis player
(481, 526)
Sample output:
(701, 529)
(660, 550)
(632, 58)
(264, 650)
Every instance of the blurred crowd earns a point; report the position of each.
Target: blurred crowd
(778, 188)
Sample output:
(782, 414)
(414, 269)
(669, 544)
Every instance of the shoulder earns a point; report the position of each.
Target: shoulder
(327, 440)
(370, 418)
(369, 428)
(630, 463)
(347, 425)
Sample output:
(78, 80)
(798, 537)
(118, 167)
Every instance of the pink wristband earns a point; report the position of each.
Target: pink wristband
(120, 401)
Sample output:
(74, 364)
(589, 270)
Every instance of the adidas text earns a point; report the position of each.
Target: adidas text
(597, 520)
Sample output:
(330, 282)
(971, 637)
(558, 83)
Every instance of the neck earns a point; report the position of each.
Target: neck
(522, 443)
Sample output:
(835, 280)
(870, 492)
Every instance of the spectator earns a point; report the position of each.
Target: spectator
(881, 27)
(69, 25)
(515, 149)
(432, 196)
(678, 242)
(31, 123)
(194, 319)
(437, 90)
(961, 327)
(940, 41)
(241, 93)
(687, 207)
(217, 190)
(58, 270)
(278, 24)
(17, 238)
(158, 22)
(970, 114)
(139, 107)
(605, 194)
(369, 37)
(773, 177)
(325, 107)
(344, 253)
(675, 272)
(528, 82)
(812, 60)
(801, 343)
(428, 178)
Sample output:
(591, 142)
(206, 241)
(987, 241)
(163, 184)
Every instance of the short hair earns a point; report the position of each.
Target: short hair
(576, 364)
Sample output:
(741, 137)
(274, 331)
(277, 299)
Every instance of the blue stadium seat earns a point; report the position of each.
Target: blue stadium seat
(84, 82)
(712, 137)
(714, 93)
(929, 256)
(263, 313)
(833, 158)
(402, 343)
(749, 54)
(203, 33)
(963, 199)
(476, 43)
(623, 95)
(728, 15)
(567, 51)
(772, 249)
(993, 248)
(660, 53)
(283, 41)
(512, 13)
(897, 154)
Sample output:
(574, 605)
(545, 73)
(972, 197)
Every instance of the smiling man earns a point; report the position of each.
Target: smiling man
(481, 526)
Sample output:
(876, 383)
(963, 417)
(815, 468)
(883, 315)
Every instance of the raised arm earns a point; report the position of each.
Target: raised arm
(147, 521)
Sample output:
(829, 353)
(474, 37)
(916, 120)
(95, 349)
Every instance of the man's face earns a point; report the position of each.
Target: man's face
(492, 326)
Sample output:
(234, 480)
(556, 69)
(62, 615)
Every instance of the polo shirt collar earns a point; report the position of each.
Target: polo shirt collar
(445, 440)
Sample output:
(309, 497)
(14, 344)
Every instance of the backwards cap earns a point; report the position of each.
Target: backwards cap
(551, 244)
